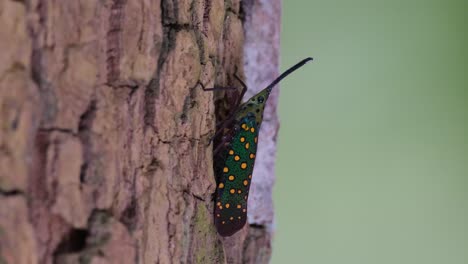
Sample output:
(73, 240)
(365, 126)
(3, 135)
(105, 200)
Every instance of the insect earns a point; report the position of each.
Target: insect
(234, 157)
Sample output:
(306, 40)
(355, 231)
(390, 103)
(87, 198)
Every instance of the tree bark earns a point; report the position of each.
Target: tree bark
(104, 128)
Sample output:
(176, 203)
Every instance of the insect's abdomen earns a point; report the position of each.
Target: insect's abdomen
(233, 187)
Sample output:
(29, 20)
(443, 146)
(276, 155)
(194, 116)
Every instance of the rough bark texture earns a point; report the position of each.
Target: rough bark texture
(104, 130)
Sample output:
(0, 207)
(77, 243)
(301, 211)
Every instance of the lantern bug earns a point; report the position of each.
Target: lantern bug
(234, 156)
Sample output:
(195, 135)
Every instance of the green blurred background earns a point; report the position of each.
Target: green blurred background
(373, 148)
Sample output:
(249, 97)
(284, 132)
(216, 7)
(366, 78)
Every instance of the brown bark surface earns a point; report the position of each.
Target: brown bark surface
(104, 130)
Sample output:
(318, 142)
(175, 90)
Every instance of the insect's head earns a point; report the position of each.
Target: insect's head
(254, 107)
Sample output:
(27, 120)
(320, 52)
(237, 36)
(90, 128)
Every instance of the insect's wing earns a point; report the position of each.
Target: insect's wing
(232, 192)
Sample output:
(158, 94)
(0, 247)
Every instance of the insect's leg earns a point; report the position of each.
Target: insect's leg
(223, 141)
(236, 105)
(215, 88)
(218, 148)
(244, 89)
(223, 125)
(231, 117)
(244, 86)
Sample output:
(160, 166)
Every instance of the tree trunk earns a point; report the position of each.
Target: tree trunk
(104, 128)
